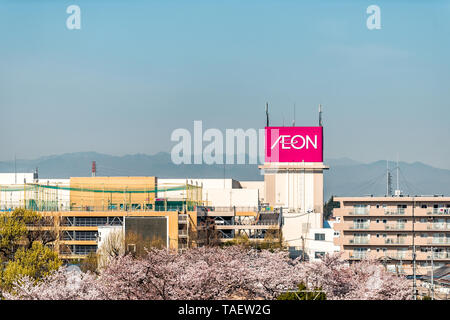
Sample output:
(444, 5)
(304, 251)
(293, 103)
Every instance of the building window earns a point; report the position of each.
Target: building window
(378, 235)
(424, 206)
(319, 254)
(424, 235)
(384, 221)
(378, 220)
(336, 234)
(319, 236)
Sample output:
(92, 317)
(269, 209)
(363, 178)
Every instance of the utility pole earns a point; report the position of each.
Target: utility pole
(397, 174)
(15, 169)
(432, 275)
(414, 252)
(303, 248)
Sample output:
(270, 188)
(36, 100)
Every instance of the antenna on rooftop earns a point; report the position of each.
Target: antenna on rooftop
(388, 180)
(320, 115)
(293, 121)
(267, 114)
(94, 168)
(398, 192)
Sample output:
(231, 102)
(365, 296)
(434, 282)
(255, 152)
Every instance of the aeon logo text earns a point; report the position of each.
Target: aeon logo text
(297, 142)
(293, 144)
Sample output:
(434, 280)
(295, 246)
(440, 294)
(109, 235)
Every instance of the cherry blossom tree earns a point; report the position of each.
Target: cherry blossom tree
(209, 273)
(364, 280)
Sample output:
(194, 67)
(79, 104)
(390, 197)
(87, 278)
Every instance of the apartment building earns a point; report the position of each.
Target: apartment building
(388, 229)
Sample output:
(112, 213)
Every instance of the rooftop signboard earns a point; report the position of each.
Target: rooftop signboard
(294, 144)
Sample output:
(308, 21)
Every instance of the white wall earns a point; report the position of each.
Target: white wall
(295, 191)
(297, 225)
(216, 192)
(259, 185)
(231, 197)
(10, 178)
(13, 199)
(326, 245)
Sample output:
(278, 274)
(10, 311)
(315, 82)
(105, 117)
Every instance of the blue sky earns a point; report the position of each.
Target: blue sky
(137, 70)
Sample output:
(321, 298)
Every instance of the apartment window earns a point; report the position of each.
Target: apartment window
(337, 234)
(384, 235)
(338, 219)
(423, 220)
(424, 235)
(384, 221)
(378, 249)
(319, 254)
(319, 236)
(378, 235)
(378, 206)
(378, 220)
(424, 206)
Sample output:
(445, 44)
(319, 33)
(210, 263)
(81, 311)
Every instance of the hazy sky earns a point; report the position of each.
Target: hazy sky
(137, 70)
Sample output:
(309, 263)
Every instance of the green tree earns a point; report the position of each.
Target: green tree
(12, 230)
(328, 208)
(35, 262)
(22, 228)
(303, 294)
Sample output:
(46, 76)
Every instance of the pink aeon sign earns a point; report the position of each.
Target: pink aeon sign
(294, 144)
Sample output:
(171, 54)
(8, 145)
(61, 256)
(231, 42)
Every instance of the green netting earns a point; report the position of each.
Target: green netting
(31, 187)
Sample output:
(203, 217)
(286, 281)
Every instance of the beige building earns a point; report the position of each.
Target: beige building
(388, 228)
(296, 188)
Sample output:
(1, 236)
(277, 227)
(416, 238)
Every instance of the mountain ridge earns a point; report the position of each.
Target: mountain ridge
(346, 177)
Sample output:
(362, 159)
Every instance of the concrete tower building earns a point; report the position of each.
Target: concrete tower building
(293, 180)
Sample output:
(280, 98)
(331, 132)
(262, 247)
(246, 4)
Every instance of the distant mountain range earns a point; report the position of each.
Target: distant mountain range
(346, 177)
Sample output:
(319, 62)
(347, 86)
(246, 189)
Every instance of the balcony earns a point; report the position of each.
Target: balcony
(398, 226)
(439, 211)
(359, 226)
(359, 241)
(394, 241)
(445, 240)
(358, 256)
(359, 212)
(400, 256)
(397, 212)
(438, 226)
(440, 256)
